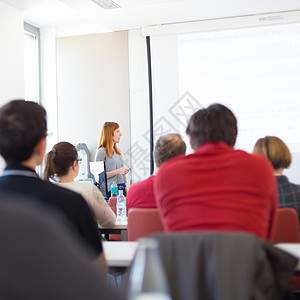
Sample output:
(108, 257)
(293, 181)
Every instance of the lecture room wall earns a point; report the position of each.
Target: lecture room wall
(92, 87)
(11, 56)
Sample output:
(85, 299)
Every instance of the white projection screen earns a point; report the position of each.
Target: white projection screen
(255, 71)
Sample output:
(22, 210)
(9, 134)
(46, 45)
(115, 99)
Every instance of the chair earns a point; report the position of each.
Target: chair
(286, 226)
(287, 231)
(112, 202)
(219, 265)
(142, 222)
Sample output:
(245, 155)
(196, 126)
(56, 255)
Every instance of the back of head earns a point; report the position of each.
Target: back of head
(275, 150)
(106, 137)
(59, 160)
(167, 147)
(22, 125)
(216, 123)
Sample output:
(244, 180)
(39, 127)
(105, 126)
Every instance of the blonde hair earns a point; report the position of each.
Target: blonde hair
(106, 138)
(274, 149)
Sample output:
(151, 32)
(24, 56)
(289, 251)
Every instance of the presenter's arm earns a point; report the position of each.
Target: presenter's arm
(100, 156)
(122, 171)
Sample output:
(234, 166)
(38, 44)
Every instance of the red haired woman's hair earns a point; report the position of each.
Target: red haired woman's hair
(106, 138)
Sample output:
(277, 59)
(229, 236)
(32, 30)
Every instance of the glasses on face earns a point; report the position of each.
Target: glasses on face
(47, 134)
(79, 160)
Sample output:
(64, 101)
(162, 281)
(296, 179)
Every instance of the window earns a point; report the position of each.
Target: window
(32, 63)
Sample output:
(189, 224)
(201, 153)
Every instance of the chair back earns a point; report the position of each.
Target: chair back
(112, 202)
(142, 222)
(286, 226)
(223, 265)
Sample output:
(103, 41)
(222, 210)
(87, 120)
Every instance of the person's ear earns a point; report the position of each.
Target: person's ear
(75, 162)
(191, 144)
(40, 147)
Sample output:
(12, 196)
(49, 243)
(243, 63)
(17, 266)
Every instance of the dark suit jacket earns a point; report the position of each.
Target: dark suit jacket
(41, 259)
(71, 204)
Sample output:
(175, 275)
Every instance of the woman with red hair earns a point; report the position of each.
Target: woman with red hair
(108, 151)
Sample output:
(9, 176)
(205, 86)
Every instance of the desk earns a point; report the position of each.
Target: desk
(120, 227)
(119, 254)
(293, 249)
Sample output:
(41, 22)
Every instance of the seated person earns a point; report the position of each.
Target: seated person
(216, 188)
(41, 259)
(23, 131)
(141, 194)
(62, 165)
(280, 156)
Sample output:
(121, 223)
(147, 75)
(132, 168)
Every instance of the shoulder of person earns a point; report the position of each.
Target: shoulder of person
(100, 154)
(67, 194)
(101, 149)
(139, 186)
(172, 164)
(256, 162)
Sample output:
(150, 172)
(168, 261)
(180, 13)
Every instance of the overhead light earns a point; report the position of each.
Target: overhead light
(106, 4)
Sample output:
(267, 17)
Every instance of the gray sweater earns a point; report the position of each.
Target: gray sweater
(112, 163)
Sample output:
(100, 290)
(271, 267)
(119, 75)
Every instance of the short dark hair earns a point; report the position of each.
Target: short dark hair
(167, 147)
(22, 125)
(59, 160)
(216, 123)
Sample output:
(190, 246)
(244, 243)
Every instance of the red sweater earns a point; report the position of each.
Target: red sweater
(217, 188)
(141, 194)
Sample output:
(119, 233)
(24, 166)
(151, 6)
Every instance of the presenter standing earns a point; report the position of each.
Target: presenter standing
(108, 151)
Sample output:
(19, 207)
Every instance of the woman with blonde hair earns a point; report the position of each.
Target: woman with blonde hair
(62, 166)
(280, 157)
(108, 151)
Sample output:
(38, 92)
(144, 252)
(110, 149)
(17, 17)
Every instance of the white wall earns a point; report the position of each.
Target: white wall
(139, 106)
(11, 56)
(11, 53)
(93, 87)
(48, 82)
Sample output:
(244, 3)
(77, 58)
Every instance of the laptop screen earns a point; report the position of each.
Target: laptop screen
(98, 175)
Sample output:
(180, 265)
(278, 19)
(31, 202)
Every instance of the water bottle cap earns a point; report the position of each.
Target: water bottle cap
(120, 192)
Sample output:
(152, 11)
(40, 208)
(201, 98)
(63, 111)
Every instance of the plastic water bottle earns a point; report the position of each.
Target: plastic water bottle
(114, 189)
(147, 279)
(121, 206)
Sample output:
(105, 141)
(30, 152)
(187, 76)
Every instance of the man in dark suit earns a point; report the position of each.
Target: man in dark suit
(23, 131)
(41, 259)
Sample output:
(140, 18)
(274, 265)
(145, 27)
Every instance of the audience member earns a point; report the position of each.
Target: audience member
(280, 156)
(141, 194)
(217, 187)
(41, 259)
(23, 131)
(62, 165)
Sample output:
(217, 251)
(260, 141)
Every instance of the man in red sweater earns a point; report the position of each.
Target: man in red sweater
(141, 194)
(217, 187)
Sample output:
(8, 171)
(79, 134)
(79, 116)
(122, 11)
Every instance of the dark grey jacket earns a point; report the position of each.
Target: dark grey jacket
(224, 266)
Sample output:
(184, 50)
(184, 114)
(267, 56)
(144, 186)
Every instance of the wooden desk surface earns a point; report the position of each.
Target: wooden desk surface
(119, 254)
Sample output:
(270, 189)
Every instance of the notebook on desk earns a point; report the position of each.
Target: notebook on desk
(98, 175)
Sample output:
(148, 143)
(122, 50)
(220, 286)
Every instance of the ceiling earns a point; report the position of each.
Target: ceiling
(69, 16)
